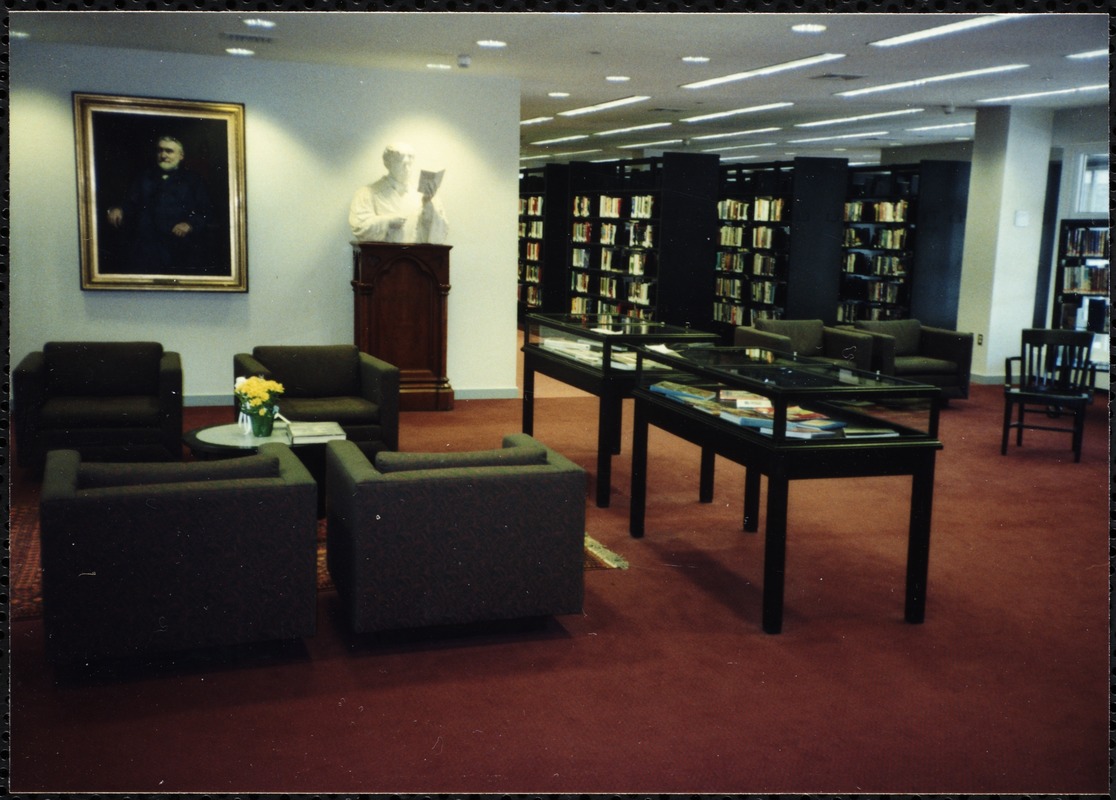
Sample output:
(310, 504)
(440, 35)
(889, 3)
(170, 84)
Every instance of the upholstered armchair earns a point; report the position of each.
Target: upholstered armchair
(146, 558)
(811, 338)
(331, 383)
(110, 401)
(907, 349)
(447, 538)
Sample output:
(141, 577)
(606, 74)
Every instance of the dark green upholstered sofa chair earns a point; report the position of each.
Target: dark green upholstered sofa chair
(905, 348)
(331, 383)
(139, 559)
(811, 338)
(423, 539)
(110, 401)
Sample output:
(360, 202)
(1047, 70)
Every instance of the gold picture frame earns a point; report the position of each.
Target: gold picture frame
(161, 194)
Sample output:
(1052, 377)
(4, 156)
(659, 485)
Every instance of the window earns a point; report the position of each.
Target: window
(1092, 197)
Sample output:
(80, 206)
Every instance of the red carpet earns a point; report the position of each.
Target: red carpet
(666, 683)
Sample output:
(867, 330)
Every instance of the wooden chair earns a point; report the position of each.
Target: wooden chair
(1055, 377)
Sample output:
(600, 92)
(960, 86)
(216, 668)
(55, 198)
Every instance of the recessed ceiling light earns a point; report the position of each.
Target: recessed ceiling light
(771, 70)
(887, 87)
(623, 101)
(696, 59)
(859, 117)
(239, 51)
(808, 27)
(535, 120)
(1093, 88)
(633, 128)
(438, 66)
(558, 94)
(735, 111)
(1088, 54)
(834, 138)
(492, 44)
(942, 30)
(617, 79)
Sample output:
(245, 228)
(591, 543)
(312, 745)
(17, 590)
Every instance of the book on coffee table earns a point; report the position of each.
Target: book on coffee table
(313, 432)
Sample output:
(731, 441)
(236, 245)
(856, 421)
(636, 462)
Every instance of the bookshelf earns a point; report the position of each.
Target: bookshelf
(543, 226)
(641, 237)
(1081, 282)
(902, 242)
(778, 241)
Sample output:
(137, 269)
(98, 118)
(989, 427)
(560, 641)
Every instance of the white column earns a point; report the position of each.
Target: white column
(1003, 232)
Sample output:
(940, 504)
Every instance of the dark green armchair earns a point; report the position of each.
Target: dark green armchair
(110, 401)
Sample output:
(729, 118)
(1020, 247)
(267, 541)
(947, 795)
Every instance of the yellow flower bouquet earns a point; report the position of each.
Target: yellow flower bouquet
(257, 398)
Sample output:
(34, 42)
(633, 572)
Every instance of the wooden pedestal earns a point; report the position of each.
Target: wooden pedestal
(399, 315)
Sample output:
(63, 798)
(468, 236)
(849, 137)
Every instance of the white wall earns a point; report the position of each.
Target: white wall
(313, 136)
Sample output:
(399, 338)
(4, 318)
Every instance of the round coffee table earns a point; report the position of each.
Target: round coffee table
(230, 440)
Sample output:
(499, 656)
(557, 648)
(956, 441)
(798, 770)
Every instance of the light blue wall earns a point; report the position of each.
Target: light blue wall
(313, 136)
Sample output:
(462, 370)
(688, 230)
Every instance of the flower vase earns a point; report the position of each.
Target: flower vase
(263, 421)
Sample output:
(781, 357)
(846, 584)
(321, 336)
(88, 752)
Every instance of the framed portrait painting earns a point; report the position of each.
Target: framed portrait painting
(161, 194)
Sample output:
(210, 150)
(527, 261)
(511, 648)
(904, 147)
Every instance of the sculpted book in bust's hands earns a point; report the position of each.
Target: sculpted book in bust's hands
(429, 181)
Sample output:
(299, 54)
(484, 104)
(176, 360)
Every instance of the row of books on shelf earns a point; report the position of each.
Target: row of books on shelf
(532, 251)
(863, 264)
(637, 261)
(759, 209)
(531, 230)
(884, 239)
(880, 211)
(759, 263)
(737, 314)
(531, 206)
(530, 273)
(853, 310)
(642, 206)
(1089, 242)
(756, 412)
(637, 234)
(594, 305)
(530, 295)
(1085, 279)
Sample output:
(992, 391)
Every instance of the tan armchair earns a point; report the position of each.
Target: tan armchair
(810, 338)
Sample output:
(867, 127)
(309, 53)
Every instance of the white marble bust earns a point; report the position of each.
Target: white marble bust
(393, 209)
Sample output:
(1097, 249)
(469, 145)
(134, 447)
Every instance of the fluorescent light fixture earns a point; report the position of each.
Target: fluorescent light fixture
(738, 158)
(734, 133)
(634, 128)
(617, 78)
(859, 117)
(943, 127)
(239, 51)
(738, 147)
(834, 138)
(623, 101)
(735, 111)
(1088, 54)
(1093, 88)
(438, 66)
(696, 59)
(535, 120)
(660, 143)
(257, 22)
(575, 153)
(808, 27)
(562, 139)
(492, 44)
(771, 70)
(952, 76)
(557, 95)
(19, 35)
(943, 30)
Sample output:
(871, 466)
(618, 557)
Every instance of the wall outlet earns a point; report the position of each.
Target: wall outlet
(980, 339)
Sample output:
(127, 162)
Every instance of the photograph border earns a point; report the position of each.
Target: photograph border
(91, 108)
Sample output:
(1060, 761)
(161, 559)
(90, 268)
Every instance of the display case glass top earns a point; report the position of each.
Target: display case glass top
(604, 340)
(788, 398)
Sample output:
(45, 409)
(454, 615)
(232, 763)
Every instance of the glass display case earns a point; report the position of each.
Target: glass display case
(595, 353)
(788, 418)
